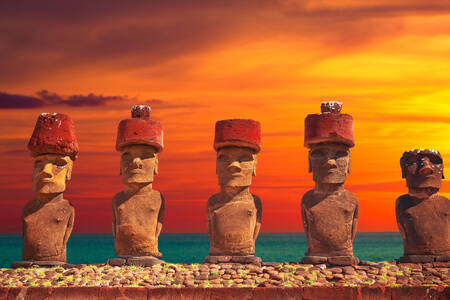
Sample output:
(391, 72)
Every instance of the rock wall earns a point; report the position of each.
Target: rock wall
(306, 293)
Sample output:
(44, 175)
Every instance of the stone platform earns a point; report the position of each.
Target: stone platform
(268, 293)
(141, 261)
(331, 260)
(241, 259)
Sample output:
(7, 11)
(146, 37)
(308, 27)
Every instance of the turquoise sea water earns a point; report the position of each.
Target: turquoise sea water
(192, 248)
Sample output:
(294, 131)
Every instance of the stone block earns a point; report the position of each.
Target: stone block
(315, 260)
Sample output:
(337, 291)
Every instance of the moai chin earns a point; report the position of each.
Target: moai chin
(138, 210)
(47, 220)
(423, 216)
(329, 212)
(234, 214)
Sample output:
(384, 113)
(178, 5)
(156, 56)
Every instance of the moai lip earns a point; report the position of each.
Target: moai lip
(234, 214)
(423, 216)
(329, 212)
(48, 218)
(138, 210)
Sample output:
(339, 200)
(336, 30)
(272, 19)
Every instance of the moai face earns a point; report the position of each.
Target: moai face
(422, 168)
(138, 164)
(235, 166)
(329, 162)
(50, 173)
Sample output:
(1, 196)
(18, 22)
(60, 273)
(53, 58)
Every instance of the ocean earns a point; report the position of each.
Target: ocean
(192, 248)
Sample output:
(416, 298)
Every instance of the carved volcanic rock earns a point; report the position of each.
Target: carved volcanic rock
(238, 132)
(54, 133)
(329, 126)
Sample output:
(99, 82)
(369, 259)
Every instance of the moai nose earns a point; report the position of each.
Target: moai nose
(234, 167)
(427, 167)
(330, 163)
(47, 171)
(137, 162)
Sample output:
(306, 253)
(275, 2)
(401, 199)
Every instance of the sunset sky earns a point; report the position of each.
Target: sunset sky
(196, 62)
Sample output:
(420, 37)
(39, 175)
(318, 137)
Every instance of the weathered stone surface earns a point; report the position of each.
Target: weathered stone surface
(21, 264)
(54, 133)
(329, 126)
(417, 259)
(314, 260)
(48, 218)
(329, 212)
(143, 261)
(445, 258)
(342, 260)
(423, 216)
(116, 262)
(234, 214)
(242, 259)
(138, 211)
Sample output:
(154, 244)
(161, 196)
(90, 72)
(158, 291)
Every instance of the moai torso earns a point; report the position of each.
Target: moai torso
(232, 224)
(426, 225)
(135, 221)
(46, 229)
(329, 222)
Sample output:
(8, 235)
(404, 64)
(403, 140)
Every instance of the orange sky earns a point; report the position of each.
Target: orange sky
(196, 62)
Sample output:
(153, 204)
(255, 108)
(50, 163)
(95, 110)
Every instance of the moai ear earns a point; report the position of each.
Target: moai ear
(69, 173)
(349, 161)
(254, 164)
(404, 171)
(155, 171)
(309, 162)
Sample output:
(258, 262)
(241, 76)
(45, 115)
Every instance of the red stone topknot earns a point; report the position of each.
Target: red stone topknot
(239, 133)
(329, 126)
(54, 133)
(140, 130)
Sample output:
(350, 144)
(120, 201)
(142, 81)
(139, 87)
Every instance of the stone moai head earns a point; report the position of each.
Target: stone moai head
(237, 141)
(329, 135)
(139, 139)
(54, 146)
(422, 168)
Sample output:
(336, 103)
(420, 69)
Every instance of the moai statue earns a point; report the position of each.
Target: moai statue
(329, 211)
(47, 220)
(423, 216)
(138, 210)
(234, 214)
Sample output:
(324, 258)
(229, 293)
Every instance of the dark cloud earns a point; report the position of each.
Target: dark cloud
(19, 101)
(46, 98)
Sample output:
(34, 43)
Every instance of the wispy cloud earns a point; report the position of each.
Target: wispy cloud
(46, 98)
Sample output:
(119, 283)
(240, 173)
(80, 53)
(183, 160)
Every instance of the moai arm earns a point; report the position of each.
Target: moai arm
(113, 221)
(258, 206)
(209, 222)
(162, 210)
(355, 221)
(69, 227)
(304, 221)
(397, 216)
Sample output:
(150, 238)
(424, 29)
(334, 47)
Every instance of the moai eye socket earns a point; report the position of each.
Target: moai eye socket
(340, 154)
(435, 159)
(318, 153)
